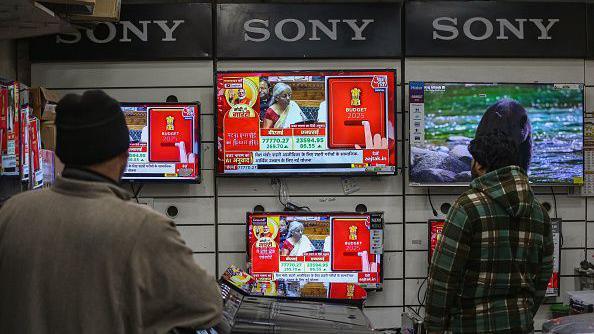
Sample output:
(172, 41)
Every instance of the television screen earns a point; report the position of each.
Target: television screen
(292, 289)
(164, 141)
(545, 120)
(306, 122)
(316, 247)
(553, 289)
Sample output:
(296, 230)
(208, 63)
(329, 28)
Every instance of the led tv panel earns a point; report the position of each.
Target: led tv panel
(164, 142)
(316, 247)
(306, 122)
(545, 120)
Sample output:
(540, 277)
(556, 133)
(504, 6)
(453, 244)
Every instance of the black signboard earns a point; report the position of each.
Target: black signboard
(307, 30)
(144, 32)
(495, 29)
(590, 31)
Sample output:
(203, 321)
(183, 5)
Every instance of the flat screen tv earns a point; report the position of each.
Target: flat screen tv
(553, 289)
(306, 122)
(164, 142)
(546, 121)
(325, 247)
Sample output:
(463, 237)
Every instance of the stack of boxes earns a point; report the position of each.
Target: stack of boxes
(44, 103)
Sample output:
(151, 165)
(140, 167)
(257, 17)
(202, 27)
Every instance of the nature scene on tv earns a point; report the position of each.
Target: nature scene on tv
(452, 113)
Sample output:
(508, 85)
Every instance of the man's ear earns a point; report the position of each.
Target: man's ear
(481, 169)
(124, 157)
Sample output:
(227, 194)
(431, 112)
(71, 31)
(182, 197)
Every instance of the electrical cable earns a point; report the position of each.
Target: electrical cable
(414, 311)
(556, 216)
(283, 196)
(431, 202)
(278, 182)
(283, 192)
(421, 302)
(135, 193)
(554, 201)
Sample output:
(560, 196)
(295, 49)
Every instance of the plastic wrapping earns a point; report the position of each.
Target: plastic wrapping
(573, 324)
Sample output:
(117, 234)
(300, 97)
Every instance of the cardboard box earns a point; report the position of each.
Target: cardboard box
(63, 8)
(70, 2)
(44, 103)
(48, 135)
(105, 10)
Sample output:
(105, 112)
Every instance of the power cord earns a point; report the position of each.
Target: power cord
(416, 312)
(283, 196)
(421, 302)
(554, 201)
(135, 193)
(431, 202)
(556, 216)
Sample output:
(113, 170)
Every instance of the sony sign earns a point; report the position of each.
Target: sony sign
(495, 29)
(305, 30)
(258, 30)
(145, 32)
(130, 30)
(446, 28)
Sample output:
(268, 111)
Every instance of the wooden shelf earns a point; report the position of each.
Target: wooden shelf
(24, 18)
(29, 18)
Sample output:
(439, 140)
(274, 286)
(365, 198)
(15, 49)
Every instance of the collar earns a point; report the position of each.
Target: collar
(84, 174)
(84, 183)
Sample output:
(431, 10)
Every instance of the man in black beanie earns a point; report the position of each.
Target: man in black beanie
(80, 257)
(97, 138)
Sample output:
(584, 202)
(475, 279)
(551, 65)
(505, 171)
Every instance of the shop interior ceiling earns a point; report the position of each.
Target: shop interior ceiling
(29, 18)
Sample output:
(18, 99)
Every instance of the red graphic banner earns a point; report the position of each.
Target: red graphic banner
(168, 130)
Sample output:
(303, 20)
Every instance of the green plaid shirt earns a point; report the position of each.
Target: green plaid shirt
(491, 267)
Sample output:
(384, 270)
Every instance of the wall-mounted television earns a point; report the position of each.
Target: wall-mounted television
(164, 142)
(326, 247)
(306, 122)
(546, 121)
(553, 289)
(435, 229)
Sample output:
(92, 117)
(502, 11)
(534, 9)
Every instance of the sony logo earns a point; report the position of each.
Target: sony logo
(257, 30)
(129, 30)
(446, 28)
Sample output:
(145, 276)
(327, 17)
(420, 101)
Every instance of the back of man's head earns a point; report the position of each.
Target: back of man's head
(494, 150)
(91, 129)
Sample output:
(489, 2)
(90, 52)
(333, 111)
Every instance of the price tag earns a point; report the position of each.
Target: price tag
(11, 147)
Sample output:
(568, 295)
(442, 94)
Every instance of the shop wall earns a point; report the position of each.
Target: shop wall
(212, 214)
(8, 59)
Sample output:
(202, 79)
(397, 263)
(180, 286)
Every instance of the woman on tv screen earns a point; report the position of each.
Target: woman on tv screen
(296, 243)
(282, 112)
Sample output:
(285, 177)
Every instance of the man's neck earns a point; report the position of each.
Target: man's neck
(85, 173)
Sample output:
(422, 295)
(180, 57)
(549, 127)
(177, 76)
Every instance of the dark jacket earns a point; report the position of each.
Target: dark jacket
(81, 257)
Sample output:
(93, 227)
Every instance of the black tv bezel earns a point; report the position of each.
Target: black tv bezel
(197, 135)
(465, 184)
(300, 173)
(318, 213)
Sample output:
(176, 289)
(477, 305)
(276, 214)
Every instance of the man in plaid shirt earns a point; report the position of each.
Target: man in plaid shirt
(491, 267)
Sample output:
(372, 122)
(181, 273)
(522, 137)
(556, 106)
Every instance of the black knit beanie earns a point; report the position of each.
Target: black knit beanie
(90, 129)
